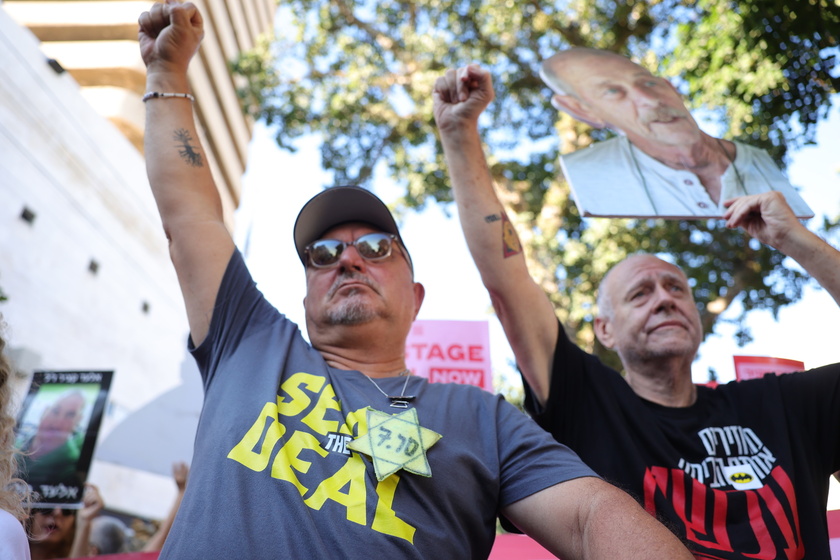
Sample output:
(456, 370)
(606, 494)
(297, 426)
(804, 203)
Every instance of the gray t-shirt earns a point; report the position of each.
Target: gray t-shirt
(272, 476)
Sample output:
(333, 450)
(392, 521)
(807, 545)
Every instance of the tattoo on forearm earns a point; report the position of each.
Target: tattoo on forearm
(492, 218)
(510, 241)
(186, 149)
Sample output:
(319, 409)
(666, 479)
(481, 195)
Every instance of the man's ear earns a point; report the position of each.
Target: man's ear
(419, 296)
(578, 109)
(604, 332)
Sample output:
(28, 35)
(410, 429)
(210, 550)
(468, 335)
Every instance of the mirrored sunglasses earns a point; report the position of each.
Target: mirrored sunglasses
(371, 246)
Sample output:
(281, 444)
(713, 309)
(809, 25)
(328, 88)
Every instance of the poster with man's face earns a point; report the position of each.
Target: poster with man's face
(660, 164)
(56, 433)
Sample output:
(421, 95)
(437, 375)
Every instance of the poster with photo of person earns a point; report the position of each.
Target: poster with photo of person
(57, 431)
(660, 163)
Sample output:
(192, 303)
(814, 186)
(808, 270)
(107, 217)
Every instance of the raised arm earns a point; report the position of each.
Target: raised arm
(92, 506)
(587, 518)
(524, 310)
(768, 218)
(190, 207)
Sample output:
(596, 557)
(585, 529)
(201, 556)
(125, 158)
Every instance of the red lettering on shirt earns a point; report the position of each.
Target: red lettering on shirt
(771, 510)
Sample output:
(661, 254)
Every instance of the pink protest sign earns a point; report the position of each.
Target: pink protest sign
(752, 367)
(450, 352)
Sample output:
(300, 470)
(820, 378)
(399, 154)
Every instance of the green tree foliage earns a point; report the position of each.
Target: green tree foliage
(765, 65)
(360, 75)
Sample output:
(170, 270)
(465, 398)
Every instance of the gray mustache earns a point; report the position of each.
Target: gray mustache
(351, 275)
(661, 113)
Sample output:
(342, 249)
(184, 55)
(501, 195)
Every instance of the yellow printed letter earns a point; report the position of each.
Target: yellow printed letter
(287, 460)
(385, 520)
(298, 399)
(244, 452)
(316, 418)
(352, 473)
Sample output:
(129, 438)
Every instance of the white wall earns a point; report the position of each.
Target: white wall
(87, 186)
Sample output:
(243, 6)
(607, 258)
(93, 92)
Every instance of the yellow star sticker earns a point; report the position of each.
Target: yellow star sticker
(396, 442)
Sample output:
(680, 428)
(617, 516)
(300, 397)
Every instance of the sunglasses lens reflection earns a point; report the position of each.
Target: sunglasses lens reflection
(372, 247)
(325, 252)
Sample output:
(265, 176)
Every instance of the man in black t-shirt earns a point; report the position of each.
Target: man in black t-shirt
(738, 472)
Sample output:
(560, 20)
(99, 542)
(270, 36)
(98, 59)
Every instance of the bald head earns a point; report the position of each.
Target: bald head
(107, 535)
(646, 313)
(561, 70)
(607, 90)
(65, 413)
(621, 273)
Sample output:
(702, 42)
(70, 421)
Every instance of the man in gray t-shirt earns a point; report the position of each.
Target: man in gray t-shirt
(333, 450)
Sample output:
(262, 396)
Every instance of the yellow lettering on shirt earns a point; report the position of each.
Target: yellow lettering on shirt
(347, 486)
(385, 520)
(351, 475)
(316, 419)
(266, 428)
(297, 398)
(287, 461)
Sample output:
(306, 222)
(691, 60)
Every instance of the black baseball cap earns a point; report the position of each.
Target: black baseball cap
(338, 205)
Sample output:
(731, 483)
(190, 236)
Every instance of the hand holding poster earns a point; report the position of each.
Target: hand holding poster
(56, 433)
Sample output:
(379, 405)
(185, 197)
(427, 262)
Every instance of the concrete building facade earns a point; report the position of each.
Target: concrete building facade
(83, 258)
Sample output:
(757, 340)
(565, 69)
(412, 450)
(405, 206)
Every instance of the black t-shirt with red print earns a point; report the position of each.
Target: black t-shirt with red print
(743, 473)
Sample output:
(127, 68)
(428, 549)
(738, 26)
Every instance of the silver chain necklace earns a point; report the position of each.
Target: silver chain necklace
(400, 401)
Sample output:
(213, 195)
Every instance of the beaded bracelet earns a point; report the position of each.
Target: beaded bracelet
(157, 95)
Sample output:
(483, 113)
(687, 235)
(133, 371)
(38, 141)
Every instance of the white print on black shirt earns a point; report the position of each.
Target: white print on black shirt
(729, 447)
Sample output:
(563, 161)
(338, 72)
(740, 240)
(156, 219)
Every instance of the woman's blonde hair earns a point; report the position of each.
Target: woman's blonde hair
(14, 493)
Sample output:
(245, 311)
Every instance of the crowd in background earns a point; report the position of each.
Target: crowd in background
(28, 532)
